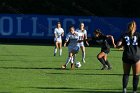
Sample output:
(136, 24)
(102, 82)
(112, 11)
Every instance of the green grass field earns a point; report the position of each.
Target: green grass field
(34, 69)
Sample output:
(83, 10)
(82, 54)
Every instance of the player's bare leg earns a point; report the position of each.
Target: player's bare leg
(83, 54)
(60, 49)
(55, 49)
(69, 59)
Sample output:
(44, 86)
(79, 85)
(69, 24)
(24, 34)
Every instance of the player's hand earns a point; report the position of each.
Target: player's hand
(114, 45)
(87, 44)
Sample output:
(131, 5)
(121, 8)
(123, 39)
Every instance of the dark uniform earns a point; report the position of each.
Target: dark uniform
(131, 44)
(102, 40)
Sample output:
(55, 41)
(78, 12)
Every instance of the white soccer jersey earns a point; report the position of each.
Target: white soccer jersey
(72, 38)
(84, 33)
(58, 32)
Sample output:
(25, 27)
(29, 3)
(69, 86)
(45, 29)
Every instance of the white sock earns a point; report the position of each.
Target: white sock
(72, 60)
(83, 55)
(55, 50)
(68, 60)
(60, 51)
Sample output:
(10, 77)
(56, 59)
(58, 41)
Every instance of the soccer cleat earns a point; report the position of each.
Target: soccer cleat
(105, 67)
(72, 66)
(109, 68)
(54, 54)
(63, 67)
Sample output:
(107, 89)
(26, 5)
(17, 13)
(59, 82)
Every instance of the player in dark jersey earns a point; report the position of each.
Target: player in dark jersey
(105, 48)
(131, 55)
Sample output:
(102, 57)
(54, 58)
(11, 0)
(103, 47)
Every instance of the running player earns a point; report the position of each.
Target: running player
(131, 55)
(82, 30)
(74, 45)
(105, 48)
(58, 33)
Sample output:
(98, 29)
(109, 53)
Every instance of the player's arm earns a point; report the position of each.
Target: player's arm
(119, 44)
(55, 33)
(66, 41)
(62, 33)
(86, 39)
(112, 39)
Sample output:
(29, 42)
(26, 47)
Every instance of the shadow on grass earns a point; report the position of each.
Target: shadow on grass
(30, 68)
(79, 90)
(45, 68)
(50, 87)
(86, 74)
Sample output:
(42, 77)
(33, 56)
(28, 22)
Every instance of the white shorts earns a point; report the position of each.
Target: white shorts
(59, 40)
(81, 44)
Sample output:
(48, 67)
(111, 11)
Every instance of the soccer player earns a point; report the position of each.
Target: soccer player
(74, 39)
(131, 55)
(105, 48)
(58, 33)
(83, 30)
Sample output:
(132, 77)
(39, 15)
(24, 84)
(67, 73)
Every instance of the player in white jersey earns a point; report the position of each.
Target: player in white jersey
(84, 32)
(74, 45)
(58, 33)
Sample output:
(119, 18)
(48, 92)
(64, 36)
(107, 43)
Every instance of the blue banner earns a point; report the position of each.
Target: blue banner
(42, 26)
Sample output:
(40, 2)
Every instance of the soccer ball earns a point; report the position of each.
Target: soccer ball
(78, 64)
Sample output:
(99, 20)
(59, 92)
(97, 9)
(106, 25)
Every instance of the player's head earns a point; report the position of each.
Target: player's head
(132, 27)
(72, 29)
(97, 33)
(82, 26)
(58, 25)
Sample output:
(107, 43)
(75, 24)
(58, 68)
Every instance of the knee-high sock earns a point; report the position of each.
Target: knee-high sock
(74, 58)
(68, 60)
(135, 82)
(102, 61)
(107, 63)
(55, 50)
(125, 80)
(83, 55)
(60, 51)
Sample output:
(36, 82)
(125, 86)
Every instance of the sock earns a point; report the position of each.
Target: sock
(83, 55)
(135, 82)
(60, 51)
(68, 60)
(55, 50)
(125, 80)
(102, 61)
(107, 63)
(74, 58)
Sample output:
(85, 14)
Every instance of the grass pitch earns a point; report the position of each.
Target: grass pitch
(34, 69)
